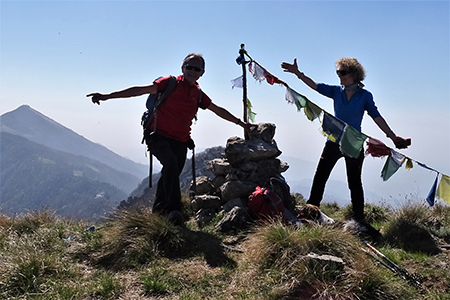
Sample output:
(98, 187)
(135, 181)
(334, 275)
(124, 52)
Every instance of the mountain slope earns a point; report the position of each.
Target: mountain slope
(35, 176)
(143, 195)
(34, 126)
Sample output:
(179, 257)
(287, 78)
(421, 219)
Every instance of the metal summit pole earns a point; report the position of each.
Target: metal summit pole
(244, 80)
(242, 62)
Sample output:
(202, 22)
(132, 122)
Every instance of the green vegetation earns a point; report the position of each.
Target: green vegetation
(139, 255)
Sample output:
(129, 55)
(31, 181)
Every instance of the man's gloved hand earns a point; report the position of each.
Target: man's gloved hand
(190, 144)
(401, 143)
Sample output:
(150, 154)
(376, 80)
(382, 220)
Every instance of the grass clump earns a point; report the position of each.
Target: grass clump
(135, 237)
(413, 227)
(290, 258)
(105, 285)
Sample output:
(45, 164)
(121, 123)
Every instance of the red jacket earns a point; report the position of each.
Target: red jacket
(175, 114)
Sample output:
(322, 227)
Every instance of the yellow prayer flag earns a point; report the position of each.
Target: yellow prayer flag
(443, 190)
(250, 113)
(409, 164)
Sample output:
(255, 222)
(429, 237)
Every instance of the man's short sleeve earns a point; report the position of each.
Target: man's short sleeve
(205, 102)
(162, 82)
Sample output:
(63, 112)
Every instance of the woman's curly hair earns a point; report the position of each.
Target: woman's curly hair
(353, 65)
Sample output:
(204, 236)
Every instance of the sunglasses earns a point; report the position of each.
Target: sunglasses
(193, 68)
(342, 72)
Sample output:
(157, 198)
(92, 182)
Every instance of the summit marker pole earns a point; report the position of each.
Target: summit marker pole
(244, 81)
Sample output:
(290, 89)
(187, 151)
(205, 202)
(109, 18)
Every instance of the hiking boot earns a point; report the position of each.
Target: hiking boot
(176, 218)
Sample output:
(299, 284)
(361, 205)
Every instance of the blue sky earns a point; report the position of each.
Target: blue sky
(53, 53)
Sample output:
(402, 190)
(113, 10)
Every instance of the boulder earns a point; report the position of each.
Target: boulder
(239, 150)
(263, 131)
(203, 185)
(206, 202)
(219, 166)
(236, 189)
(236, 219)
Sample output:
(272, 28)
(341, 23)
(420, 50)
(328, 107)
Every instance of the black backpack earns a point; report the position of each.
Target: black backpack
(152, 104)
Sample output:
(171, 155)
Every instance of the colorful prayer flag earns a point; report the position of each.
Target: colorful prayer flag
(377, 148)
(312, 111)
(352, 141)
(409, 164)
(259, 73)
(393, 163)
(432, 193)
(332, 127)
(443, 190)
(296, 98)
(237, 82)
(272, 79)
(250, 113)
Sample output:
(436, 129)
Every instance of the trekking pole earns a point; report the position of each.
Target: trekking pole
(194, 184)
(403, 272)
(150, 168)
(380, 261)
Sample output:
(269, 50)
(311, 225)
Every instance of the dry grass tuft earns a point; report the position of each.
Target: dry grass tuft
(137, 237)
(281, 253)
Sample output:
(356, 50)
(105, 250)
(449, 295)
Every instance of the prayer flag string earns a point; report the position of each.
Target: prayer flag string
(350, 140)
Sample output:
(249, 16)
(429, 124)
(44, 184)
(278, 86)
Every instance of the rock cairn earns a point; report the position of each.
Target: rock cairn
(246, 163)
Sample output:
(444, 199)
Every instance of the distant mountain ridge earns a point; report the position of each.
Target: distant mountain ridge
(44, 164)
(34, 126)
(34, 176)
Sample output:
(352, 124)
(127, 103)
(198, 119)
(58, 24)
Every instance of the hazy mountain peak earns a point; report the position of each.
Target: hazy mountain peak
(36, 127)
(28, 122)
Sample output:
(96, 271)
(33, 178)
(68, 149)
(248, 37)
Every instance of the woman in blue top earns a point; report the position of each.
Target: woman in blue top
(350, 101)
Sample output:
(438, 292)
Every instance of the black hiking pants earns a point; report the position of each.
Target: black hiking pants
(330, 155)
(172, 156)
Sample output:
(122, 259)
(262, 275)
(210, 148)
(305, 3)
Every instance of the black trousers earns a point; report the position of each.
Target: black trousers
(330, 155)
(172, 156)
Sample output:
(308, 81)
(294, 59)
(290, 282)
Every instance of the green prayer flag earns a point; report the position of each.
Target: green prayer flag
(352, 141)
(296, 98)
(393, 163)
(250, 113)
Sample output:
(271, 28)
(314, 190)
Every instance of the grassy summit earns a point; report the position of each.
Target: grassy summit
(138, 255)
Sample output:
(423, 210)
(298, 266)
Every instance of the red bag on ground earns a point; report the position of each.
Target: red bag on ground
(265, 204)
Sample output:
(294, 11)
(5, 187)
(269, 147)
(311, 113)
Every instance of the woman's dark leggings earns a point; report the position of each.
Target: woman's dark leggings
(330, 155)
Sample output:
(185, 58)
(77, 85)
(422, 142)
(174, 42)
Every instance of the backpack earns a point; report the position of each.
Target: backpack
(152, 104)
(265, 204)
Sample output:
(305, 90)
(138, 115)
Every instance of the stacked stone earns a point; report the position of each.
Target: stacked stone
(246, 163)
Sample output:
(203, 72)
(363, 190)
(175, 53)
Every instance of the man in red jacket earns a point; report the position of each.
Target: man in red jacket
(172, 135)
